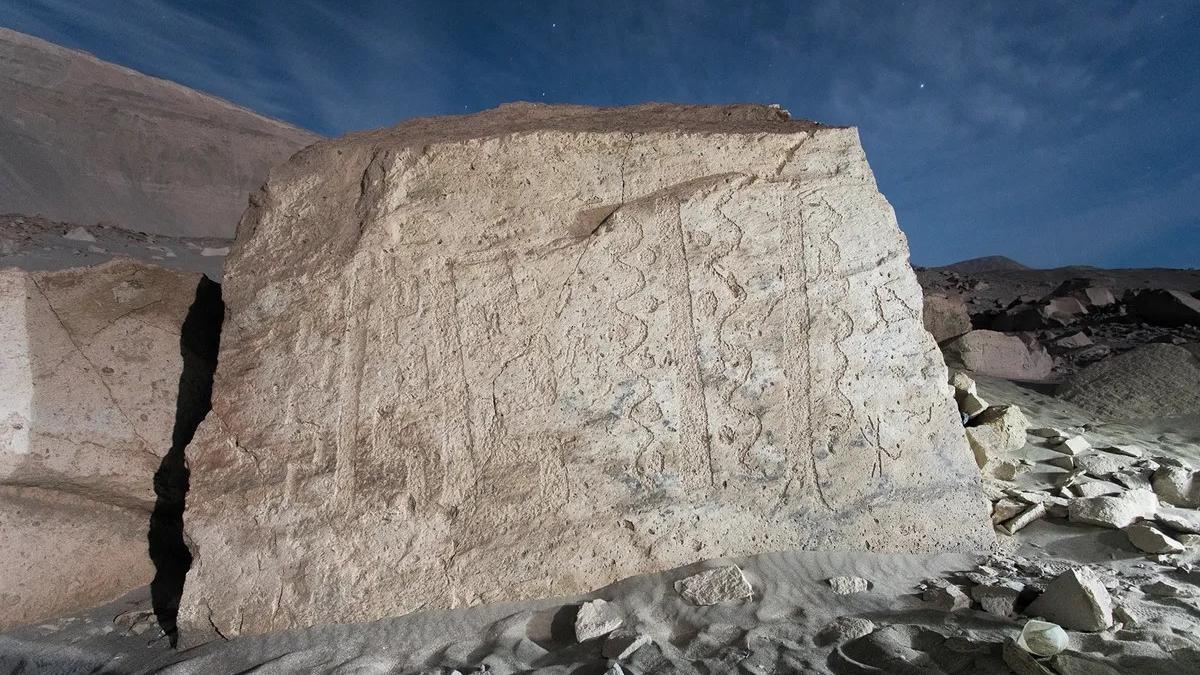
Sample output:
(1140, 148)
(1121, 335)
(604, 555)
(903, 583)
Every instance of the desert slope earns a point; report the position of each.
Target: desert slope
(86, 141)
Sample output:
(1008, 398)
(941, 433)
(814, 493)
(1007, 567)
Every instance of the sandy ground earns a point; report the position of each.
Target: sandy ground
(782, 629)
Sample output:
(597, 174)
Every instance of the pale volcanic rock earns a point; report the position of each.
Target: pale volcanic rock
(90, 365)
(710, 587)
(1150, 539)
(1115, 512)
(534, 350)
(999, 355)
(945, 318)
(596, 619)
(1075, 600)
(1178, 486)
(998, 429)
(87, 141)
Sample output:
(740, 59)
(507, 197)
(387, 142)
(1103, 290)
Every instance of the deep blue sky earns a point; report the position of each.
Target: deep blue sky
(1052, 132)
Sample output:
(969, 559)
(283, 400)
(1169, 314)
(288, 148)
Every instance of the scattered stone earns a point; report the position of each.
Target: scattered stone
(1127, 617)
(1006, 509)
(1063, 311)
(1186, 521)
(596, 619)
(848, 585)
(997, 429)
(998, 599)
(1073, 445)
(1190, 541)
(963, 382)
(844, 629)
(972, 405)
(1127, 450)
(1042, 638)
(1095, 488)
(1028, 516)
(949, 598)
(1150, 539)
(1132, 479)
(1004, 469)
(79, 234)
(210, 251)
(1166, 589)
(1074, 341)
(1115, 512)
(1075, 600)
(1101, 464)
(716, 585)
(621, 644)
(1063, 462)
(1047, 432)
(1177, 486)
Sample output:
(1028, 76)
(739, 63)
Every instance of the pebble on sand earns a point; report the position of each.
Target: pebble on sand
(596, 619)
(716, 585)
(848, 585)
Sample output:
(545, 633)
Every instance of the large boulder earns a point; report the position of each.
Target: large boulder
(945, 318)
(999, 355)
(1150, 381)
(90, 362)
(534, 350)
(1164, 307)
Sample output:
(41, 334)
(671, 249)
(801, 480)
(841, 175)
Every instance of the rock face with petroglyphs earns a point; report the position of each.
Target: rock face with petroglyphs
(90, 365)
(531, 351)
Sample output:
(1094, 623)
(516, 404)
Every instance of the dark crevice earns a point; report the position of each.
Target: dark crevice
(198, 342)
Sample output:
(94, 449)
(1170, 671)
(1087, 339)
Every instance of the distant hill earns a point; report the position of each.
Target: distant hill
(991, 263)
(85, 141)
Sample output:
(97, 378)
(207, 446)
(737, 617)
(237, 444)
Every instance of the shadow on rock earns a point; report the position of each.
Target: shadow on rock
(198, 343)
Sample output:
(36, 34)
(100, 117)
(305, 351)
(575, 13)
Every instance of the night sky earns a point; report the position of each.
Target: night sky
(1051, 132)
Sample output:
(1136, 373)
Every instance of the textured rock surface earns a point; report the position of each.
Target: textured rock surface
(999, 355)
(945, 318)
(88, 141)
(996, 430)
(1154, 380)
(534, 350)
(90, 365)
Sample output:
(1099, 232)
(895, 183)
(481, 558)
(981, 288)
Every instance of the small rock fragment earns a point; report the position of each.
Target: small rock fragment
(1006, 509)
(1178, 486)
(1028, 516)
(848, 585)
(1047, 432)
(998, 599)
(1042, 638)
(972, 405)
(621, 644)
(1095, 488)
(1063, 462)
(997, 429)
(1127, 450)
(1150, 539)
(79, 234)
(1101, 464)
(1166, 589)
(596, 619)
(716, 585)
(1074, 341)
(1073, 445)
(948, 598)
(1076, 600)
(1186, 521)
(1115, 512)
(844, 629)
